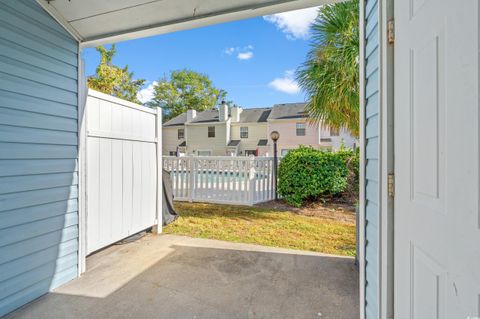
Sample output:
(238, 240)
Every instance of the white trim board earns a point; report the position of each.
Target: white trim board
(386, 161)
(195, 21)
(82, 165)
(361, 219)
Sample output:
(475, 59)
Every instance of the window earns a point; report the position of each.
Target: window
(334, 131)
(244, 132)
(181, 133)
(211, 131)
(300, 129)
(250, 152)
(173, 153)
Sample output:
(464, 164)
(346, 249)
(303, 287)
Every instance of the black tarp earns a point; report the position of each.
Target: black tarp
(169, 214)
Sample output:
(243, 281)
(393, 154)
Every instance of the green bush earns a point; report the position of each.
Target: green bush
(352, 161)
(306, 174)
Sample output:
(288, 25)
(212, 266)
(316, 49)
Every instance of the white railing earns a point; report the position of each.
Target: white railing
(218, 179)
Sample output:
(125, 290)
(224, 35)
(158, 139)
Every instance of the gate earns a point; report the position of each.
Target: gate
(122, 180)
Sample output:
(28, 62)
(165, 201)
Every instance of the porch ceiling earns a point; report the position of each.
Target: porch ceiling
(95, 22)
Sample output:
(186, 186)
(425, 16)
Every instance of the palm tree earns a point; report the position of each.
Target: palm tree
(330, 75)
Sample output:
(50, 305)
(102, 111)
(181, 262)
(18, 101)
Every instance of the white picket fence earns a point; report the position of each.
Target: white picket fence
(216, 179)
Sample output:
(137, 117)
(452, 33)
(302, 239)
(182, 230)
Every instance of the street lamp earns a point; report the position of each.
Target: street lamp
(275, 136)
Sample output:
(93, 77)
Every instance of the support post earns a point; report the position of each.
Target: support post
(191, 183)
(275, 168)
(251, 181)
(159, 220)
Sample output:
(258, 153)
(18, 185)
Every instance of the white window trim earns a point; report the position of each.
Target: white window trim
(244, 127)
(304, 128)
(178, 134)
(214, 131)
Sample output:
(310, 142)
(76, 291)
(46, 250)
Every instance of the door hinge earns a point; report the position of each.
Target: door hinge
(391, 185)
(391, 31)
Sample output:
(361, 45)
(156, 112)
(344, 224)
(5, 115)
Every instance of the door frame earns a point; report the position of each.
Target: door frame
(386, 163)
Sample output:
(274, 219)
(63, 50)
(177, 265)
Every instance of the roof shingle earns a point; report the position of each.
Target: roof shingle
(288, 111)
(257, 115)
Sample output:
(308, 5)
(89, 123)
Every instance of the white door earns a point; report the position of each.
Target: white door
(437, 219)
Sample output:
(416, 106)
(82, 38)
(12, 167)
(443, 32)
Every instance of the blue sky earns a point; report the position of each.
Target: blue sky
(253, 60)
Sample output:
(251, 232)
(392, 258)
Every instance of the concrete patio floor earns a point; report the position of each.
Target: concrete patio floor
(170, 276)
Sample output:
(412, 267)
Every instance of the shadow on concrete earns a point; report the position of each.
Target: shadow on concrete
(202, 279)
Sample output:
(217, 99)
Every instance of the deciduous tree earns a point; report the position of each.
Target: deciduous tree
(183, 90)
(113, 80)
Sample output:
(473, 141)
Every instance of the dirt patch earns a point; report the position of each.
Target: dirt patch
(337, 210)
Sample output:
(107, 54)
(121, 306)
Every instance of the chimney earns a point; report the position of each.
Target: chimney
(191, 114)
(236, 111)
(223, 112)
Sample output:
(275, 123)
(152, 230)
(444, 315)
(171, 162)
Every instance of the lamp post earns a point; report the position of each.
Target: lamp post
(275, 136)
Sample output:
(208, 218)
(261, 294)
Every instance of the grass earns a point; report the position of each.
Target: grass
(264, 226)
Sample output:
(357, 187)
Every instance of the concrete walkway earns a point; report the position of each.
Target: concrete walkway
(179, 277)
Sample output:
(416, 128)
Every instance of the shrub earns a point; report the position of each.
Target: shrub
(352, 161)
(306, 173)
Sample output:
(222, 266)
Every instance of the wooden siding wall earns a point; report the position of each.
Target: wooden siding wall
(170, 139)
(256, 131)
(38, 154)
(198, 140)
(372, 180)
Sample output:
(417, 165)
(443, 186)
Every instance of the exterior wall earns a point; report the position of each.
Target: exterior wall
(38, 157)
(256, 131)
(344, 138)
(372, 180)
(197, 138)
(288, 136)
(170, 139)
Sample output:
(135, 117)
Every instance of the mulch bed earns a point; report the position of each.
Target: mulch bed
(338, 208)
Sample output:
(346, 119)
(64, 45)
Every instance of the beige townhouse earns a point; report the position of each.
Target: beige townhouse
(234, 131)
(291, 121)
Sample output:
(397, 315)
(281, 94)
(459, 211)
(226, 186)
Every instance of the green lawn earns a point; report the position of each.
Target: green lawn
(264, 226)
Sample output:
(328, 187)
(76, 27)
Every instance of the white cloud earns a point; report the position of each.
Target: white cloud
(229, 51)
(242, 53)
(245, 55)
(295, 24)
(146, 94)
(286, 84)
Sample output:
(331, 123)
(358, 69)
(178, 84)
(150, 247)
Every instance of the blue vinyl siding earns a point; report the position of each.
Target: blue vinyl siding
(372, 210)
(38, 154)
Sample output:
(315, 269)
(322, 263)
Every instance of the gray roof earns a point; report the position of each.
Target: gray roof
(259, 115)
(262, 142)
(178, 120)
(234, 143)
(288, 111)
(206, 117)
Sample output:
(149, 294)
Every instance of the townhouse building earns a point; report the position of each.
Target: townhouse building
(234, 131)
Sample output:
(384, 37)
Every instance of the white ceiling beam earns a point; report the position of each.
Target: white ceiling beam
(204, 20)
(215, 17)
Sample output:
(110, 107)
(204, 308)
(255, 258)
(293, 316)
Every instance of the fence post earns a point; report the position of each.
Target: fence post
(251, 181)
(158, 228)
(191, 176)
